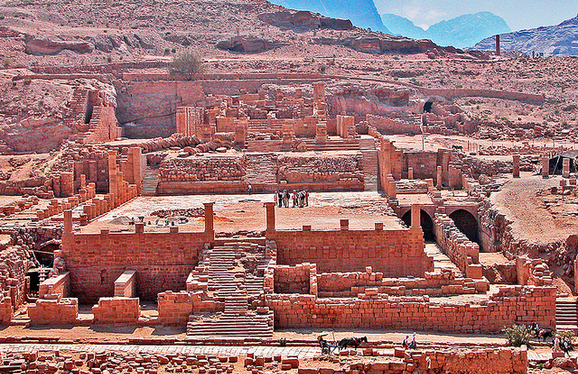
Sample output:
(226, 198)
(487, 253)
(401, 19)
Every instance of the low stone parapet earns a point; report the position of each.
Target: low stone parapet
(112, 310)
(55, 287)
(60, 311)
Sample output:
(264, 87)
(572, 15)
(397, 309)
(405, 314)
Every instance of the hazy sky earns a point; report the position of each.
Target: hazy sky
(519, 14)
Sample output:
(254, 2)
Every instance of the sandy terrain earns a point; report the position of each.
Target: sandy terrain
(520, 203)
(246, 212)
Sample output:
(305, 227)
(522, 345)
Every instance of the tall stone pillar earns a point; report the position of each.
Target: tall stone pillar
(209, 221)
(498, 45)
(112, 173)
(415, 216)
(545, 167)
(409, 173)
(270, 209)
(135, 154)
(516, 166)
(566, 168)
(439, 178)
(68, 221)
(391, 187)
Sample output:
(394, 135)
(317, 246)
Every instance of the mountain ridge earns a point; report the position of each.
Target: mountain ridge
(460, 32)
(556, 40)
(362, 13)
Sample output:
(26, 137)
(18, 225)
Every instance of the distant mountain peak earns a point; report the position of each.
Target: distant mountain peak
(460, 32)
(570, 22)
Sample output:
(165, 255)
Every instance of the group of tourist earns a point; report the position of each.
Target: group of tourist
(407, 344)
(286, 199)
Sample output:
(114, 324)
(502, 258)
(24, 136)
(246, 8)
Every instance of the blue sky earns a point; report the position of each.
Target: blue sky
(519, 14)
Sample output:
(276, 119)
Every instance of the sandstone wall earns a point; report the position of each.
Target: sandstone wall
(292, 279)
(162, 261)
(395, 253)
(509, 305)
(387, 125)
(432, 284)
(463, 252)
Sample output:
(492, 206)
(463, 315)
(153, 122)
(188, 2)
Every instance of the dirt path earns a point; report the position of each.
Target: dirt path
(519, 201)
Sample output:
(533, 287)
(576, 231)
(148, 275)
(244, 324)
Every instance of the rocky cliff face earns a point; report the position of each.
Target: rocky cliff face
(362, 13)
(557, 40)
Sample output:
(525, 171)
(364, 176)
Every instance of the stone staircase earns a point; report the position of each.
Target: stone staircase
(150, 182)
(263, 127)
(261, 169)
(234, 274)
(331, 145)
(370, 169)
(567, 314)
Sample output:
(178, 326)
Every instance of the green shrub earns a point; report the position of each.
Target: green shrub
(518, 335)
(186, 64)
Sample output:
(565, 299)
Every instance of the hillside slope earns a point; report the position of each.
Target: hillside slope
(559, 40)
(362, 13)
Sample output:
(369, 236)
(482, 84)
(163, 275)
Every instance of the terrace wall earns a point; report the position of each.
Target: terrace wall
(162, 261)
(395, 253)
(509, 305)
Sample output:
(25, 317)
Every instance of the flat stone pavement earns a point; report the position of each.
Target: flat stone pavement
(267, 351)
(301, 352)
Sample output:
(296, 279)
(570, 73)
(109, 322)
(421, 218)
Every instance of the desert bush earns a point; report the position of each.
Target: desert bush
(518, 335)
(186, 64)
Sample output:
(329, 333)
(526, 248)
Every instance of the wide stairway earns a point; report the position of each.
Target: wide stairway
(332, 144)
(370, 169)
(261, 169)
(566, 314)
(235, 277)
(151, 180)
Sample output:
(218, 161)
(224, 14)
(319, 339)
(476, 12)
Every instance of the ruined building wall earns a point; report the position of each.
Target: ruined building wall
(162, 261)
(395, 253)
(152, 106)
(387, 125)
(14, 263)
(509, 305)
(423, 163)
(103, 126)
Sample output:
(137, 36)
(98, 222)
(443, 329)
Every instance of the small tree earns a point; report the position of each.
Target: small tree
(518, 335)
(186, 64)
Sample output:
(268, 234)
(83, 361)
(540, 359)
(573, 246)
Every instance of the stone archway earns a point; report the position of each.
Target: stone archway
(426, 224)
(466, 223)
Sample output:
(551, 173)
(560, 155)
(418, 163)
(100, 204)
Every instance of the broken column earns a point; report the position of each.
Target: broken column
(66, 184)
(321, 132)
(566, 168)
(112, 173)
(497, 45)
(545, 167)
(270, 211)
(319, 91)
(415, 216)
(439, 178)
(516, 166)
(209, 221)
(409, 173)
(68, 221)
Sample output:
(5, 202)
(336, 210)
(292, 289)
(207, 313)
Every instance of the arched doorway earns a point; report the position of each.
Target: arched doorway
(466, 223)
(426, 224)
